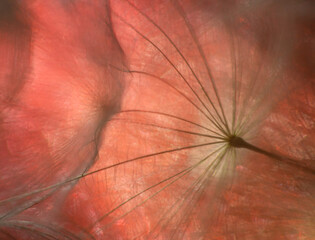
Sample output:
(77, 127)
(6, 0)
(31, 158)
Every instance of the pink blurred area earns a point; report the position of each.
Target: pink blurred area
(104, 106)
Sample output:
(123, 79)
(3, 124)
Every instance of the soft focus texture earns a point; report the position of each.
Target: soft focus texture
(115, 118)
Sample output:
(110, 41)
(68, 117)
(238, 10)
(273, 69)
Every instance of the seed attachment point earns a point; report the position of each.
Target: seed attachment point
(237, 142)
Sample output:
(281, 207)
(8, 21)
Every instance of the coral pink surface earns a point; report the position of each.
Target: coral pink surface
(115, 119)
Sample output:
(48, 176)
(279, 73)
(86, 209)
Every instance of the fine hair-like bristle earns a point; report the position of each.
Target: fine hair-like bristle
(164, 119)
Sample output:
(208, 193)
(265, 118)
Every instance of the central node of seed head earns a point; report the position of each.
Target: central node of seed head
(235, 141)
